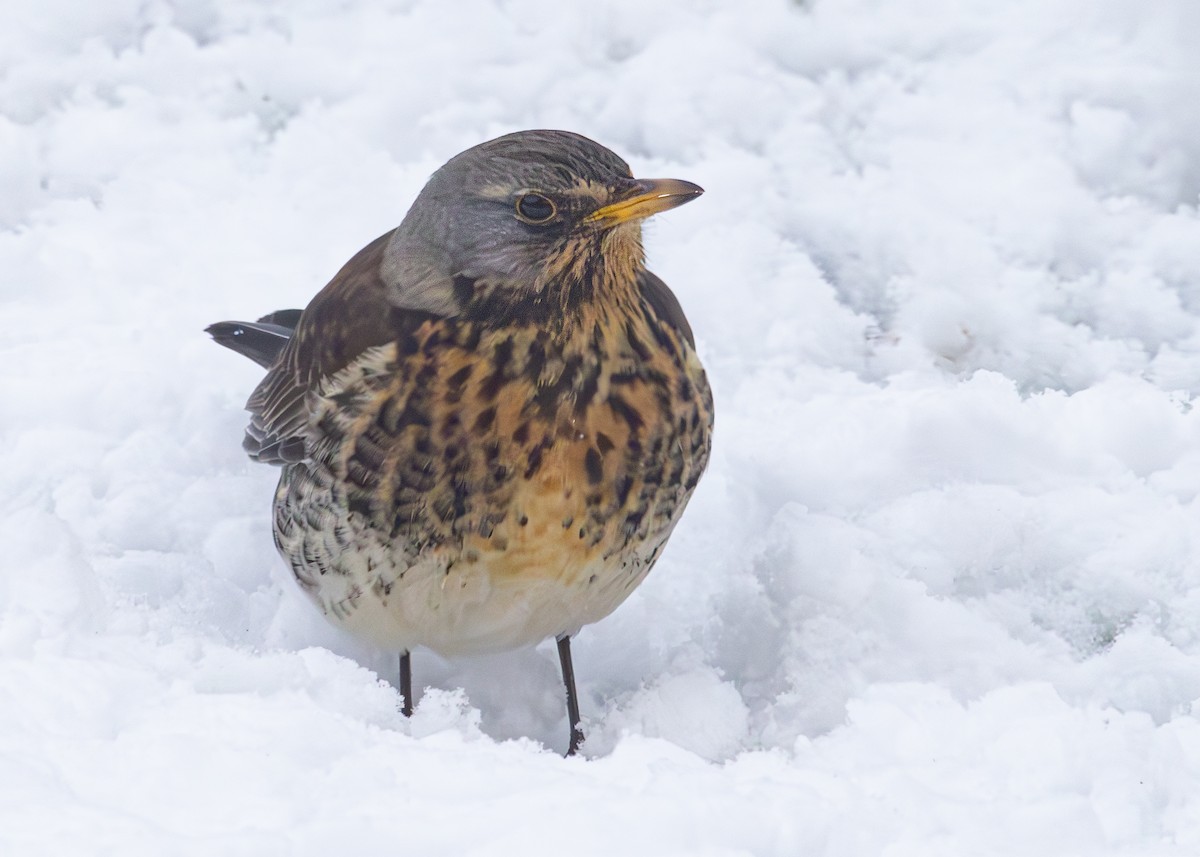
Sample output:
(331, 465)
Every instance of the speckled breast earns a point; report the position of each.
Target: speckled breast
(498, 486)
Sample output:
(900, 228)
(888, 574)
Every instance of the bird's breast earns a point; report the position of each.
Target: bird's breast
(515, 462)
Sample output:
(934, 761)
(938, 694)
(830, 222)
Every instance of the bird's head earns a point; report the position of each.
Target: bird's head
(536, 219)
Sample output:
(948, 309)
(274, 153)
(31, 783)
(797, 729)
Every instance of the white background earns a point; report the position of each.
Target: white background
(939, 592)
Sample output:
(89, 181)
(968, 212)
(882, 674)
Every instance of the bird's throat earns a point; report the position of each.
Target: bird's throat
(589, 275)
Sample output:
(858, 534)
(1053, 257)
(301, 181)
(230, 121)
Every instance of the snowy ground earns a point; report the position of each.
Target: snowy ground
(939, 593)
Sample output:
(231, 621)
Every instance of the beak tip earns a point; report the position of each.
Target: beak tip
(669, 187)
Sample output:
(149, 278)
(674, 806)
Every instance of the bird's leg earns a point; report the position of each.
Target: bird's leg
(406, 704)
(568, 672)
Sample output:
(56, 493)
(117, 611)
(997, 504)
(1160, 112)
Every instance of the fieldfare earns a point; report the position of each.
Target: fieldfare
(489, 422)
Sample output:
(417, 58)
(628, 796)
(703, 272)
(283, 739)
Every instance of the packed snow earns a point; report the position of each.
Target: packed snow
(939, 592)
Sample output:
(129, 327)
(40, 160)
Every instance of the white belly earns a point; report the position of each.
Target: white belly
(477, 607)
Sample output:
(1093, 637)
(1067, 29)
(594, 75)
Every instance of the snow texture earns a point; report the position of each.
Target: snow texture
(939, 592)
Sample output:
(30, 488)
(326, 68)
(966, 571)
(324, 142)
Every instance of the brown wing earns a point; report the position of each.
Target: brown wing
(348, 317)
(665, 305)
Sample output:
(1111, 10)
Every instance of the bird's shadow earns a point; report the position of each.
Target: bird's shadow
(518, 694)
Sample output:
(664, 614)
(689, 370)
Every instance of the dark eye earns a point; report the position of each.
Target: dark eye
(534, 208)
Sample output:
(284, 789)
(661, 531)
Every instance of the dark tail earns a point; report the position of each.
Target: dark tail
(262, 340)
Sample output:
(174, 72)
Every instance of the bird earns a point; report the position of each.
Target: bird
(491, 419)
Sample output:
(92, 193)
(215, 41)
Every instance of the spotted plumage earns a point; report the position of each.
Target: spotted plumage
(491, 419)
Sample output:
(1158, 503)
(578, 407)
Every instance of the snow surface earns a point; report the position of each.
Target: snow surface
(939, 593)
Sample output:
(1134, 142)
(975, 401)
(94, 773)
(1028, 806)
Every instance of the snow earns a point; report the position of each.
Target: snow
(939, 592)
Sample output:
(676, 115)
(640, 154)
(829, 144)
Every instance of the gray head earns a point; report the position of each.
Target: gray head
(528, 217)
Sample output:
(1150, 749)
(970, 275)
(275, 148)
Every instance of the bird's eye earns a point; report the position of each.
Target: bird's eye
(535, 208)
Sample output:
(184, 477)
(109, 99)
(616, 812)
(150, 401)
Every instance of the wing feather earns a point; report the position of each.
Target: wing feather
(350, 316)
(665, 305)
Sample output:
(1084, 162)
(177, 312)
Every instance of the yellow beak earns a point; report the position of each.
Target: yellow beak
(647, 197)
